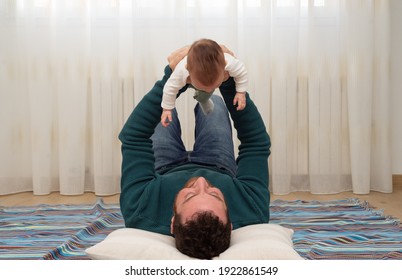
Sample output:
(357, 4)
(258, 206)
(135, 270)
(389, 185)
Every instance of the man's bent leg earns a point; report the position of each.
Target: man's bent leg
(213, 137)
(167, 144)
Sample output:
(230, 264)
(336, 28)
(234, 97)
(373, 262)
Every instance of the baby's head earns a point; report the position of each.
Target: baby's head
(206, 64)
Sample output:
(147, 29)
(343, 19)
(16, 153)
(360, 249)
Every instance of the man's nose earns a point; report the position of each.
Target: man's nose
(201, 184)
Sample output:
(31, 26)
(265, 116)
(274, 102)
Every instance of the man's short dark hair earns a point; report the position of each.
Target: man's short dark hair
(204, 236)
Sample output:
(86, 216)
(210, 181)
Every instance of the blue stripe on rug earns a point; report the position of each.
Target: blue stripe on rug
(339, 229)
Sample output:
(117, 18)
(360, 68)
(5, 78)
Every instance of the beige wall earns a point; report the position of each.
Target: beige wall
(396, 85)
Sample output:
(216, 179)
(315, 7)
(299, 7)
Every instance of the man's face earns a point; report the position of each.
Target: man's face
(198, 195)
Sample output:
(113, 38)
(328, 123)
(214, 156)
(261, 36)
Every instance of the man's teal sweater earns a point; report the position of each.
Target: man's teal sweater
(147, 197)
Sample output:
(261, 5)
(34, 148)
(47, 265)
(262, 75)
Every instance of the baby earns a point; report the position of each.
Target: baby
(204, 68)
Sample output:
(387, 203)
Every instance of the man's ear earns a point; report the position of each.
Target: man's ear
(171, 225)
(231, 226)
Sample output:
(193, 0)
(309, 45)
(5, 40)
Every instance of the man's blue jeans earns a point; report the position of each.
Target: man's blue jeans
(213, 144)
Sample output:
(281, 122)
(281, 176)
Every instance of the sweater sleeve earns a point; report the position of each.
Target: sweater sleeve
(254, 148)
(137, 153)
(238, 71)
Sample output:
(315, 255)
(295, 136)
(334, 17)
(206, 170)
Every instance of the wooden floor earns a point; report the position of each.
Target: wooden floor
(390, 203)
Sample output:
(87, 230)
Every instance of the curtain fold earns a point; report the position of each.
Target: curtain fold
(72, 71)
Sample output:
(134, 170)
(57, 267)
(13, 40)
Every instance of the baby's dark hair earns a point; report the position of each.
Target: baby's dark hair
(206, 61)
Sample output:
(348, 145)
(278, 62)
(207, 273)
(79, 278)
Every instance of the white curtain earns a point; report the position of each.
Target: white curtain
(71, 71)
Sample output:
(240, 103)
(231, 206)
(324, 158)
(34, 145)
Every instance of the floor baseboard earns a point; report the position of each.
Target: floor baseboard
(397, 180)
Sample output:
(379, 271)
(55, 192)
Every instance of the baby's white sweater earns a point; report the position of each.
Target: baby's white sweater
(178, 79)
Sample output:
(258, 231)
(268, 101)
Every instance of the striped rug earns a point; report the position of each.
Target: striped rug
(341, 229)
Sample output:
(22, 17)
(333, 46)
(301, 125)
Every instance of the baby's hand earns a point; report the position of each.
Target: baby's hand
(240, 100)
(166, 117)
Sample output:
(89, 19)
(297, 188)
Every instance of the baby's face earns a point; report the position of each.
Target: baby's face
(207, 88)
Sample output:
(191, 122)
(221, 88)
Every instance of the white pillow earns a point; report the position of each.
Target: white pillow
(254, 242)
(261, 242)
